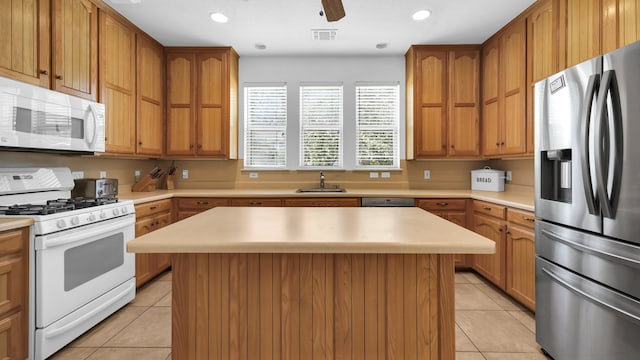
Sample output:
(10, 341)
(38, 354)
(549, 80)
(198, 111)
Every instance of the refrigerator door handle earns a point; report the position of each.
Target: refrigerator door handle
(592, 205)
(608, 201)
(594, 298)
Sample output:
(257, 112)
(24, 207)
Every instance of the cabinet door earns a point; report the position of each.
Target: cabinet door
(212, 130)
(430, 125)
(464, 106)
(513, 77)
(75, 48)
(180, 104)
(491, 266)
(144, 268)
(150, 94)
(268, 202)
(582, 30)
(324, 202)
(490, 94)
(118, 84)
(521, 281)
(14, 260)
(25, 41)
(13, 333)
(628, 21)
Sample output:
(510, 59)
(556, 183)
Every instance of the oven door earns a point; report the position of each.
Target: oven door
(76, 266)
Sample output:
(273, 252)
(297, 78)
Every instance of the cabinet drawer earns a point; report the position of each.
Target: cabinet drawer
(323, 202)
(256, 202)
(489, 209)
(442, 204)
(201, 203)
(13, 332)
(153, 207)
(152, 223)
(523, 218)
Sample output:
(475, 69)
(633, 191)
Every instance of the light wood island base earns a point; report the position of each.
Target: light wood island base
(313, 306)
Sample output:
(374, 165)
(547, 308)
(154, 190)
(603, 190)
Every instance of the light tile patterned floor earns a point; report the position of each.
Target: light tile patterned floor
(489, 326)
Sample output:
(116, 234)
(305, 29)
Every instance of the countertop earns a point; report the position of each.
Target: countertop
(14, 223)
(518, 197)
(313, 230)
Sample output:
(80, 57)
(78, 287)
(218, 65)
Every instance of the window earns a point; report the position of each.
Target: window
(377, 126)
(265, 126)
(321, 126)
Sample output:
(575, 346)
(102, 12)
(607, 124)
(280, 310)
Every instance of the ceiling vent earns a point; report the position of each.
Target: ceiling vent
(323, 34)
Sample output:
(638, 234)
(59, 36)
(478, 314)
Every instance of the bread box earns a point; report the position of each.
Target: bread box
(487, 179)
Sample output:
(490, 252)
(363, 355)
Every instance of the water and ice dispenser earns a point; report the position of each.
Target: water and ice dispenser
(555, 181)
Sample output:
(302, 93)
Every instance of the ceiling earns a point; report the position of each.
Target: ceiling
(284, 26)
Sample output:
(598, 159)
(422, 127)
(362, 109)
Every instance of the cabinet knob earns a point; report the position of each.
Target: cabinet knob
(59, 77)
(191, 146)
(453, 146)
(497, 144)
(44, 72)
(199, 146)
(502, 143)
(139, 142)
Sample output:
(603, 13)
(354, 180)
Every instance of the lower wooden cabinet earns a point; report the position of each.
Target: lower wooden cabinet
(14, 293)
(491, 266)
(267, 202)
(454, 210)
(520, 257)
(152, 216)
(186, 207)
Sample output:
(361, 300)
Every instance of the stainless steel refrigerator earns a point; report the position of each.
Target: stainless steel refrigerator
(587, 188)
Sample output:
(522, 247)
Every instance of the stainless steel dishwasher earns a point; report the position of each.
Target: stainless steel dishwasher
(388, 202)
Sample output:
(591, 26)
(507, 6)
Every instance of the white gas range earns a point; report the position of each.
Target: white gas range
(80, 272)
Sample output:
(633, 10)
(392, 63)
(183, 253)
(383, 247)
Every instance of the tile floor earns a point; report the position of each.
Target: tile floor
(489, 326)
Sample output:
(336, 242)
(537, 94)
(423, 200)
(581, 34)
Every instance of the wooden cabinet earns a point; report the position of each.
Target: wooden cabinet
(322, 202)
(118, 83)
(256, 202)
(151, 216)
(202, 91)
(520, 257)
(190, 206)
(443, 101)
(14, 293)
(620, 23)
(488, 220)
(504, 117)
(150, 97)
(25, 41)
(580, 24)
(454, 210)
(75, 47)
(542, 53)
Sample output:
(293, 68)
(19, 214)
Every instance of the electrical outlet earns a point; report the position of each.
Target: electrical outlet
(373, 175)
(427, 174)
(385, 174)
(253, 175)
(77, 174)
(136, 175)
(509, 175)
(103, 174)
(185, 174)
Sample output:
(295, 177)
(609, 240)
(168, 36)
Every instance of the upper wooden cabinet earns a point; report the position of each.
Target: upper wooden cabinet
(118, 83)
(581, 28)
(150, 97)
(25, 41)
(443, 101)
(75, 48)
(202, 92)
(504, 91)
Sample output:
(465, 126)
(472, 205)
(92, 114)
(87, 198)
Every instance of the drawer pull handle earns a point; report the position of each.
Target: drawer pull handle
(202, 202)
(153, 207)
(529, 219)
(442, 203)
(487, 208)
(44, 72)
(59, 77)
(255, 203)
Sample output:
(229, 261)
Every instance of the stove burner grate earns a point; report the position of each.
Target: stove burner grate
(55, 206)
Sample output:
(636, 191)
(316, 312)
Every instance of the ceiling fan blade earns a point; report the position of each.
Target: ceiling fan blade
(333, 9)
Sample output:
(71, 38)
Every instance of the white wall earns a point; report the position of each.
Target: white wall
(296, 70)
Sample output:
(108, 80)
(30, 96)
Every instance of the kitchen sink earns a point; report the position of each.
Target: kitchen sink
(322, 190)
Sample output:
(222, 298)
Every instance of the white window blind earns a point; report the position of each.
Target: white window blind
(265, 131)
(321, 126)
(377, 126)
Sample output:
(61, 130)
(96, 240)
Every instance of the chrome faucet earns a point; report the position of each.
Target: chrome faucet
(321, 180)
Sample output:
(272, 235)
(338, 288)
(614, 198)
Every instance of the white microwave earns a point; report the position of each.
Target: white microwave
(36, 118)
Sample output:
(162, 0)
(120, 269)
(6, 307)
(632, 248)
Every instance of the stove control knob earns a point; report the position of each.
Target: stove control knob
(115, 212)
(75, 220)
(124, 210)
(61, 224)
(92, 217)
(103, 215)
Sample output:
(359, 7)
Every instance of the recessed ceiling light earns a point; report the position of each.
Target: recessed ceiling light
(260, 46)
(421, 14)
(381, 45)
(219, 17)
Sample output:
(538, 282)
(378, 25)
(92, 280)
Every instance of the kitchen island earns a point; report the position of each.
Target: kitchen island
(313, 283)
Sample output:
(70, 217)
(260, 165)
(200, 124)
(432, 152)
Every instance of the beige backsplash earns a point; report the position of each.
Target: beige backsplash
(228, 174)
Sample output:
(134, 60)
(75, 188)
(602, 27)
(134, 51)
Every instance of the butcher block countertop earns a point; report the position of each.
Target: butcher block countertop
(313, 230)
(520, 197)
(10, 224)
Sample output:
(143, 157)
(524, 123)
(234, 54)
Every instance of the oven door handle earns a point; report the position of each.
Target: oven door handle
(90, 314)
(48, 243)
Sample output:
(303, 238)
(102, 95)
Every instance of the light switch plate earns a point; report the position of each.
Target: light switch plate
(77, 174)
(509, 175)
(185, 174)
(427, 174)
(373, 175)
(253, 175)
(103, 174)
(385, 174)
